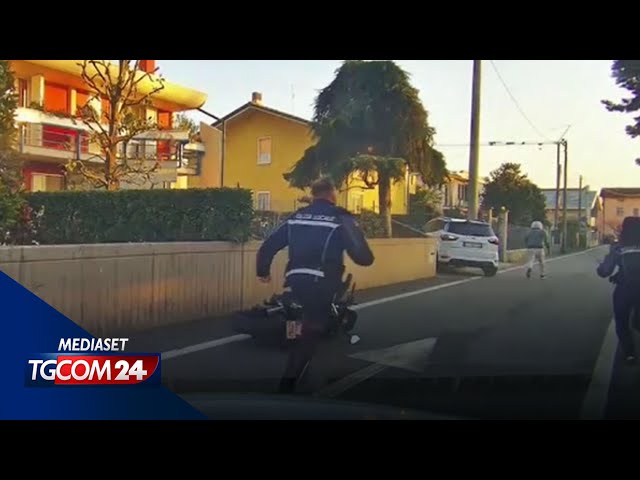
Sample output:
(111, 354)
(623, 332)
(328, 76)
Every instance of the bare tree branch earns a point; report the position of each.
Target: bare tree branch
(96, 179)
(90, 79)
(112, 130)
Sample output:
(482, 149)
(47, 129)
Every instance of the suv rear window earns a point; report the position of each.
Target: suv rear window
(471, 229)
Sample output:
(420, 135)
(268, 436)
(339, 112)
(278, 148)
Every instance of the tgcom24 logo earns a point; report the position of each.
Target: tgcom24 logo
(92, 361)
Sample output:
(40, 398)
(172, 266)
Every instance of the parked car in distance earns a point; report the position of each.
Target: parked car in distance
(465, 243)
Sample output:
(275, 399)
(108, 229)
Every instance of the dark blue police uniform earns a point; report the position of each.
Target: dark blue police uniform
(622, 266)
(317, 236)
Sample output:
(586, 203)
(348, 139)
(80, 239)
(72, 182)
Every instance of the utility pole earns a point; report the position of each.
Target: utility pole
(564, 199)
(474, 150)
(580, 212)
(556, 227)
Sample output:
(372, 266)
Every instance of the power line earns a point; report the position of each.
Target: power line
(565, 132)
(524, 115)
(499, 144)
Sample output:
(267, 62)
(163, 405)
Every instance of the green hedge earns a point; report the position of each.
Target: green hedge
(74, 217)
(372, 224)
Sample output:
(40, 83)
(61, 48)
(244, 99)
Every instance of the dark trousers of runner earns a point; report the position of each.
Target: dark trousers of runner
(624, 301)
(315, 294)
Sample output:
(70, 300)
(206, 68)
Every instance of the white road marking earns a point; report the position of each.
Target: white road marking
(351, 380)
(412, 356)
(204, 346)
(400, 296)
(238, 338)
(595, 400)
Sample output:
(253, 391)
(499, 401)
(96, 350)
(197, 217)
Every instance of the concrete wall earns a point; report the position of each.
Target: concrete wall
(125, 287)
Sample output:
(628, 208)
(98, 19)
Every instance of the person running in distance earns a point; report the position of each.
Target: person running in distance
(536, 242)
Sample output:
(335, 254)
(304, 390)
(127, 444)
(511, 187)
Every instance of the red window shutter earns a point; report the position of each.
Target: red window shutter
(56, 98)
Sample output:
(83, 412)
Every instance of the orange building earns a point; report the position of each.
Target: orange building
(50, 95)
(617, 203)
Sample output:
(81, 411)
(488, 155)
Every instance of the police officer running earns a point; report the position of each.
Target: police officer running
(622, 266)
(317, 236)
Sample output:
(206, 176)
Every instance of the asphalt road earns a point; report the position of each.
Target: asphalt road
(458, 345)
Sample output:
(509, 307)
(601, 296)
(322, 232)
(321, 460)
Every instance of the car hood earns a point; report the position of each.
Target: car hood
(292, 407)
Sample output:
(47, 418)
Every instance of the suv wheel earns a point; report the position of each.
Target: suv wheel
(490, 271)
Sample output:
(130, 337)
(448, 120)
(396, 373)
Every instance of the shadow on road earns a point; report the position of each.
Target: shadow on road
(498, 397)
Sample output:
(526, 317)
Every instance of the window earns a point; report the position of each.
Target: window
(164, 120)
(82, 98)
(23, 93)
(356, 202)
(445, 193)
(58, 137)
(462, 193)
(44, 182)
(620, 211)
(636, 212)
(470, 228)
(263, 200)
(264, 151)
(56, 98)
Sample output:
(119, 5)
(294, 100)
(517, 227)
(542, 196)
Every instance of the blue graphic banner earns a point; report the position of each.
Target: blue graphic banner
(80, 386)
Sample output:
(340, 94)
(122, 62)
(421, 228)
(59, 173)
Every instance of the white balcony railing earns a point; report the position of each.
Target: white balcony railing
(50, 136)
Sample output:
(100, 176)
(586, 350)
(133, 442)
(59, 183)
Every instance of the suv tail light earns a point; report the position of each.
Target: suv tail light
(494, 240)
(448, 237)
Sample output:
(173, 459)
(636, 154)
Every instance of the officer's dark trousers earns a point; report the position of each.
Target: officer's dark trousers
(624, 302)
(315, 294)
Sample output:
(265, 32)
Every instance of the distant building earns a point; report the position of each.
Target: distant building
(254, 145)
(584, 207)
(454, 191)
(617, 203)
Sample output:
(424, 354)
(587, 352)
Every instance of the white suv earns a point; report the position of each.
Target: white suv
(465, 243)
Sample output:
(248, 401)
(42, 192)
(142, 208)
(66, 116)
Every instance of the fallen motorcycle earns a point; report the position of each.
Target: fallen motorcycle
(279, 320)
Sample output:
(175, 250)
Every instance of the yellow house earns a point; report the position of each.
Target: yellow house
(454, 191)
(254, 145)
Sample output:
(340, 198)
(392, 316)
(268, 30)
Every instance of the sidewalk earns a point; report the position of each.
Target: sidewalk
(505, 265)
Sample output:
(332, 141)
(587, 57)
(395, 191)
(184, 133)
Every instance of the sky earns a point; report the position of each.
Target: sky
(541, 99)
